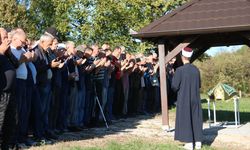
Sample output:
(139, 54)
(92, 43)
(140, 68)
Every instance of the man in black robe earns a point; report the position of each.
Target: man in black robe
(186, 82)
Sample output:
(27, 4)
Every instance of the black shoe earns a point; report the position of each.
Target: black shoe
(5, 147)
(30, 142)
(109, 122)
(21, 146)
(56, 131)
(50, 135)
(74, 129)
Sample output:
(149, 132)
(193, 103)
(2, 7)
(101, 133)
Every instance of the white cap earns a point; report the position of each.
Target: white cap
(61, 46)
(187, 52)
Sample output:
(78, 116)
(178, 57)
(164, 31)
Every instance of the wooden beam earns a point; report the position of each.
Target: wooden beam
(178, 48)
(246, 39)
(163, 86)
(246, 35)
(199, 52)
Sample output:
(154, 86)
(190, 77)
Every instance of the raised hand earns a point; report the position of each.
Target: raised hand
(54, 63)
(4, 46)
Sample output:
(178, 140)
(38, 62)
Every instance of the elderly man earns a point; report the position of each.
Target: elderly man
(18, 41)
(186, 82)
(44, 64)
(74, 85)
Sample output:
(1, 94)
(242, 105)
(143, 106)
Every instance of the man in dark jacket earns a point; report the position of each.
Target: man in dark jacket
(7, 94)
(43, 66)
(186, 82)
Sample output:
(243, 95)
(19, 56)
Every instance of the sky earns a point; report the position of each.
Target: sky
(215, 50)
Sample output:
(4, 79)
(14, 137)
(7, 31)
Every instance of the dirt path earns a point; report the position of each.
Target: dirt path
(145, 128)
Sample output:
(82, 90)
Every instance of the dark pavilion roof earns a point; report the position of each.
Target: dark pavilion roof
(201, 17)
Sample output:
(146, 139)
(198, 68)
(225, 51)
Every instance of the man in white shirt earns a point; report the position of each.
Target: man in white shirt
(18, 40)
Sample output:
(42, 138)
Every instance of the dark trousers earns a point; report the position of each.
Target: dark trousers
(54, 109)
(141, 103)
(45, 97)
(73, 104)
(8, 119)
(36, 113)
(63, 108)
(157, 100)
(149, 99)
(98, 94)
(22, 109)
(118, 99)
(133, 102)
(81, 104)
(27, 107)
(109, 106)
(89, 106)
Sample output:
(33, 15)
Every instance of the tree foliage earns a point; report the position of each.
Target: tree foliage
(86, 21)
(230, 68)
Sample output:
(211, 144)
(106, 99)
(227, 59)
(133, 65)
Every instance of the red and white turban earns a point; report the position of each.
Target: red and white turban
(187, 52)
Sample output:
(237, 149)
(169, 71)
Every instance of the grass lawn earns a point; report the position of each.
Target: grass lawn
(137, 145)
(224, 110)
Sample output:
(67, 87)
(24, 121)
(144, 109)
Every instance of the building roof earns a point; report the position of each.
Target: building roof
(201, 17)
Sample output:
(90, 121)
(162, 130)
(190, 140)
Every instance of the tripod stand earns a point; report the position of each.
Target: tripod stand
(100, 107)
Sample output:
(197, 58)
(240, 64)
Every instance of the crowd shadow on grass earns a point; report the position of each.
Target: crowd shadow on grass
(118, 126)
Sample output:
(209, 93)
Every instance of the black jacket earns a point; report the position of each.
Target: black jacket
(41, 66)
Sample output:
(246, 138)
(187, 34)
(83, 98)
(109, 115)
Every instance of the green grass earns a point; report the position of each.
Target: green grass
(138, 145)
(225, 110)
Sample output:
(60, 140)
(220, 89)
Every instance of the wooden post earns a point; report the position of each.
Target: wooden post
(163, 86)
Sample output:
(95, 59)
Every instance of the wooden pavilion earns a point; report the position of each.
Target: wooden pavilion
(199, 24)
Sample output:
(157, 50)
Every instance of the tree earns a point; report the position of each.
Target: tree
(230, 68)
(87, 21)
(7, 13)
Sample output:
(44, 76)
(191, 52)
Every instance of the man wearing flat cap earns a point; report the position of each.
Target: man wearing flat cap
(52, 32)
(186, 82)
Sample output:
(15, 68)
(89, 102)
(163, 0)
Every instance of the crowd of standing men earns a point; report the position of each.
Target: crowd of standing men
(48, 88)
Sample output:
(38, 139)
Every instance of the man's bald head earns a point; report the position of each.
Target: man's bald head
(18, 39)
(13, 31)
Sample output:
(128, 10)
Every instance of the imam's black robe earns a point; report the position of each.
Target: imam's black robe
(188, 125)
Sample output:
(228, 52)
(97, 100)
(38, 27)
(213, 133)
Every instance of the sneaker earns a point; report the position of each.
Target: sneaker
(188, 146)
(198, 145)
